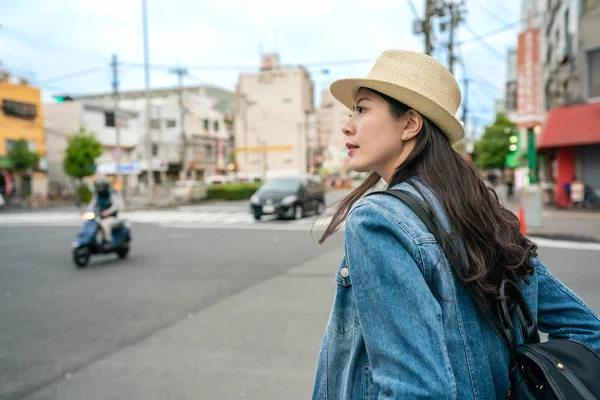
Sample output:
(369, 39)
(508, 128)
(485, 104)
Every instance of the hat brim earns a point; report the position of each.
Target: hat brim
(344, 91)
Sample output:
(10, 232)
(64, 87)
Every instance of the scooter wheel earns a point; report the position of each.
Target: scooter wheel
(123, 251)
(81, 256)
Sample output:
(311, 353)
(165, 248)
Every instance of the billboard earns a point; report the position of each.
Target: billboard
(529, 80)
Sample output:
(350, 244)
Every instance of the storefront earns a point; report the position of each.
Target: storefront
(570, 141)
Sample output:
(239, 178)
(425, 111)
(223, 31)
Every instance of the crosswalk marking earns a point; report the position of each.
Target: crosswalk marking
(211, 218)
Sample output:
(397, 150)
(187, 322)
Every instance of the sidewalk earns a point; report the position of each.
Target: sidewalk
(572, 225)
(260, 344)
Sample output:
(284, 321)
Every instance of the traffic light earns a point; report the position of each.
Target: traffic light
(62, 98)
(513, 158)
(514, 143)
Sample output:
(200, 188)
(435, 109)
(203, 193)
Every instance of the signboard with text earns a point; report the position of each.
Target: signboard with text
(529, 80)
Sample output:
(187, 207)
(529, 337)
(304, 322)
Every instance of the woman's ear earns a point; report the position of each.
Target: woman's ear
(413, 122)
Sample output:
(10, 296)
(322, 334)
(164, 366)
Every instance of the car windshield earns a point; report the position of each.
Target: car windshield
(280, 185)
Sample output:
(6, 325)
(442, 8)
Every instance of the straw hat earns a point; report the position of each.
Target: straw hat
(415, 79)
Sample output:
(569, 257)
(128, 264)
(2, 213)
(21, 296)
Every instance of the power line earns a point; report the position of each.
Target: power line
(501, 29)
(72, 74)
(413, 9)
(490, 13)
(36, 41)
(485, 44)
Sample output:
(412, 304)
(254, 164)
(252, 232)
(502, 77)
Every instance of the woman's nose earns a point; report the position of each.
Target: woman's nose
(348, 128)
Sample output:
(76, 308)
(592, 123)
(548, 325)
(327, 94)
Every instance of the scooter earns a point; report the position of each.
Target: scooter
(90, 240)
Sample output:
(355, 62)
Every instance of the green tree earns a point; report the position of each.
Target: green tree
(81, 154)
(491, 150)
(21, 157)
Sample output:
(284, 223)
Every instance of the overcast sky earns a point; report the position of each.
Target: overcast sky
(45, 40)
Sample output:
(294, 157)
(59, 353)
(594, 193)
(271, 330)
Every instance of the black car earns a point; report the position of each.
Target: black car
(288, 198)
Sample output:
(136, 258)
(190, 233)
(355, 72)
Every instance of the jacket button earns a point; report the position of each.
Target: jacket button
(344, 272)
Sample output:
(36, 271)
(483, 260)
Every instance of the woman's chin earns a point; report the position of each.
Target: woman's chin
(357, 166)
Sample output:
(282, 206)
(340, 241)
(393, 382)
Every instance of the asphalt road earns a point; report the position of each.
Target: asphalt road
(57, 321)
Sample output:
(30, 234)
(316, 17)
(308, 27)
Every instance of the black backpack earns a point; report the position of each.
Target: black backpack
(558, 369)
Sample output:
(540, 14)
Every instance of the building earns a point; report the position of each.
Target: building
(559, 34)
(570, 137)
(273, 112)
(510, 92)
(63, 120)
(21, 117)
(208, 140)
(331, 117)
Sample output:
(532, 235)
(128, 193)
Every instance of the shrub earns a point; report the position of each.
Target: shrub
(84, 193)
(231, 191)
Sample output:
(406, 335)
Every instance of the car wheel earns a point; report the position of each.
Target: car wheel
(257, 216)
(298, 212)
(320, 208)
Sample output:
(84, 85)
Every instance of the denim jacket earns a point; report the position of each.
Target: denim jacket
(403, 327)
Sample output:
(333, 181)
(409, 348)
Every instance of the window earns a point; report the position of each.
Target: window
(10, 145)
(593, 74)
(154, 149)
(206, 124)
(109, 118)
(19, 110)
(208, 149)
(216, 126)
(171, 123)
(155, 123)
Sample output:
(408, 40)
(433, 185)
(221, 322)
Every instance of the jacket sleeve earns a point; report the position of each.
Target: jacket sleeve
(92, 204)
(562, 314)
(114, 203)
(400, 319)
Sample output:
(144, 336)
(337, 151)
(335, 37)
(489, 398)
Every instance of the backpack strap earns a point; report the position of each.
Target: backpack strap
(430, 220)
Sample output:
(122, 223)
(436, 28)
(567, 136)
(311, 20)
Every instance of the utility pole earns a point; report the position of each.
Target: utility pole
(148, 147)
(466, 101)
(181, 72)
(245, 101)
(429, 11)
(455, 19)
(118, 151)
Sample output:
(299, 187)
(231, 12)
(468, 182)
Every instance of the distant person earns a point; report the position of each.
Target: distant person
(2, 184)
(403, 325)
(509, 181)
(106, 203)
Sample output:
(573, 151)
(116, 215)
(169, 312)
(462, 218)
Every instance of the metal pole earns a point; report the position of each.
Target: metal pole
(181, 72)
(245, 117)
(115, 84)
(148, 147)
(429, 9)
(453, 24)
(531, 156)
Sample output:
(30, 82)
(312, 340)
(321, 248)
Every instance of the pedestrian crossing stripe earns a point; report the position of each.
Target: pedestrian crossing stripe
(167, 218)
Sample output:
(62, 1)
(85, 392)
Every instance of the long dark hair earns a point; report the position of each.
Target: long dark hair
(495, 247)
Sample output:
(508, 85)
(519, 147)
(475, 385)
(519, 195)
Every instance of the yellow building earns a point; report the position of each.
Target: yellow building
(21, 117)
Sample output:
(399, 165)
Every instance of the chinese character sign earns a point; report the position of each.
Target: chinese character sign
(529, 79)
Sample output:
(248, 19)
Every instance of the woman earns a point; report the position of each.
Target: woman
(402, 325)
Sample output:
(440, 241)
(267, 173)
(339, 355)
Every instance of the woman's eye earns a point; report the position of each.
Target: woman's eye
(360, 109)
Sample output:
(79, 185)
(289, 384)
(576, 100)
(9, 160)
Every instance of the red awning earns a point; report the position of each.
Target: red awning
(571, 126)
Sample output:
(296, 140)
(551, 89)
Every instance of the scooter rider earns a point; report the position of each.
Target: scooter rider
(107, 204)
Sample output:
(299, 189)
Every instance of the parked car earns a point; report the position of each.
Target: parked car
(288, 197)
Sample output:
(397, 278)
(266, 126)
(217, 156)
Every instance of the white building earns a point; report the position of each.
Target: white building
(331, 117)
(273, 111)
(63, 120)
(208, 140)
